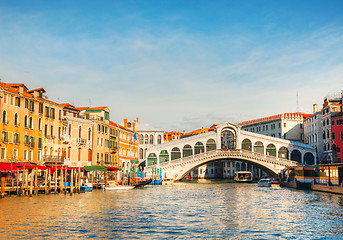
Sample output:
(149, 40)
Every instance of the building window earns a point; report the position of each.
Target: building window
(3, 153)
(16, 119)
(25, 155)
(4, 117)
(25, 121)
(4, 136)
(159, 139)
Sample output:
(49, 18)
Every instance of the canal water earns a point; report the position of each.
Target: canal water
(210, 210)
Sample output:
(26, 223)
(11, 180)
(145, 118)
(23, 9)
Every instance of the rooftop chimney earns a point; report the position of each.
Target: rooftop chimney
(125, 123)
(315, 108)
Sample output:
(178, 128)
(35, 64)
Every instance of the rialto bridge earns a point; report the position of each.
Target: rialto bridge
(229, 142)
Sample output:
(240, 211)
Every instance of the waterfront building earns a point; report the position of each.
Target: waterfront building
(101, 151)
(172, 136)
(128, 146)
(51, 114)
(147, 136)
(77, 138)
(21, 124)
(337, 137)
(313, 129)
(331, 106)
(288, 126)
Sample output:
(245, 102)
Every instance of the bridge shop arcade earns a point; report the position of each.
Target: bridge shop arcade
(228, 142)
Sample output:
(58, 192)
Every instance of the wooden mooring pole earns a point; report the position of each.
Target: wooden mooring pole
(3, 179)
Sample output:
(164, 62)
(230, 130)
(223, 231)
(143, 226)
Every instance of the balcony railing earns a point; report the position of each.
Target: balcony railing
(81, 141)
(113, 149)
(53, 159)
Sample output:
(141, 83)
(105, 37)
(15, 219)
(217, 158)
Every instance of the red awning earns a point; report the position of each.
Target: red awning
(112, 169)
(6, 166)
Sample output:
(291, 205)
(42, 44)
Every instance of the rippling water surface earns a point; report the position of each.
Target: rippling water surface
(181, 211)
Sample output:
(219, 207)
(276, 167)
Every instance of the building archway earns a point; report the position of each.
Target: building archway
(175, 153)
(308, 158)
(228, 139)
(259, 147)
(164, 156)
(271, 150)
(152, 159)
(187, 151)
(199, 148)
(210, 145)
(296, 155)
(247, 145)
(283, 153)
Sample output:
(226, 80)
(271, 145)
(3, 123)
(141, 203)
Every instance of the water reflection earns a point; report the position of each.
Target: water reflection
(185, 210)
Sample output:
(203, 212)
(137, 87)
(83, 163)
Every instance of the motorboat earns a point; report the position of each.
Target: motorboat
(264, 182)
(120, 187)
(167, 182)
(112, 185)
(243, 177)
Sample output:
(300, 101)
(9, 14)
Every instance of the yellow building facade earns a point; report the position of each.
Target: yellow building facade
(21, 123)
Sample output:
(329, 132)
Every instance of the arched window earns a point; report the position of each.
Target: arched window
(146, 140)
(141, 153)
(89, 134)
(4, 117)
(141, 139)
(80, 131)
(159, 139)
(151, 139)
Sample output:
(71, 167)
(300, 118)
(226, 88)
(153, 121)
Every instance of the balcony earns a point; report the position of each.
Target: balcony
(113, 149)
(53, 159)
(65, 139)
(81, 141)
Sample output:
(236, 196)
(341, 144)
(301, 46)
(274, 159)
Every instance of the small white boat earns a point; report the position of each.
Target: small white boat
(264, 182)
(112, 185)
(120, 187)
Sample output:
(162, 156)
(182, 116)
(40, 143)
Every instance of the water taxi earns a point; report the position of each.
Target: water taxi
(243, 176)
(264, 182)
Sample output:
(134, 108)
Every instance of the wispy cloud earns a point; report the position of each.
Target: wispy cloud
(175, 78)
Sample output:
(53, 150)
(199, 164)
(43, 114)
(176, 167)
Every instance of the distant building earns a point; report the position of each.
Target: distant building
(147, 136)
(288, 126)
(313, 129)
(331, 106)
(172, 136)
(77, 134)
(337, 137)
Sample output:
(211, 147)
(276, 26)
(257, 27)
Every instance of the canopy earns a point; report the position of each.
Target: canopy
(95, 168)
(6, 166)
(112, 169)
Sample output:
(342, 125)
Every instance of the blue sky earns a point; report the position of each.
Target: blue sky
(176, 64)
